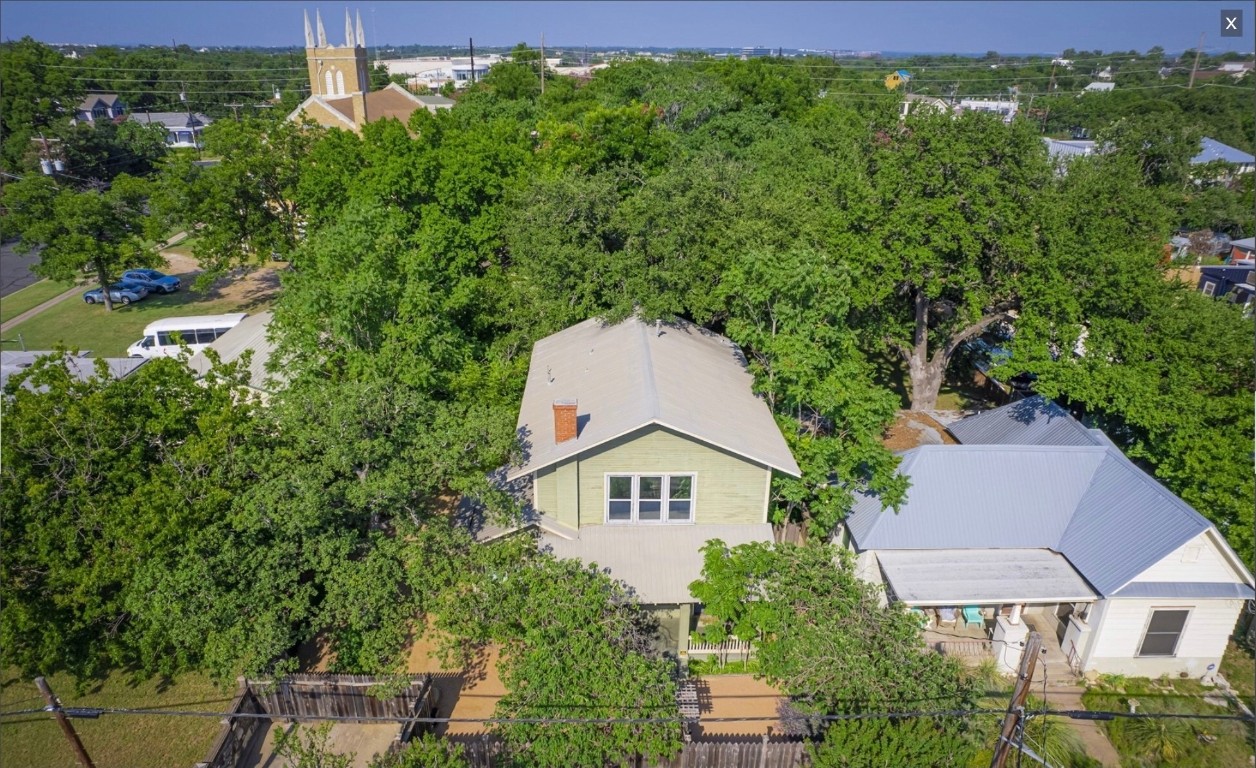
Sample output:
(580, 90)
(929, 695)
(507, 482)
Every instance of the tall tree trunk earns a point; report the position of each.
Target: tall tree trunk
(926, 372)
(103, 279)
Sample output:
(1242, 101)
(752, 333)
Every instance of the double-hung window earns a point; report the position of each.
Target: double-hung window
(661, 498)
(1163, 632)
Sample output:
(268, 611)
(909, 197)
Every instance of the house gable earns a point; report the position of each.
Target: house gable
(1202, 560)
(728, 488)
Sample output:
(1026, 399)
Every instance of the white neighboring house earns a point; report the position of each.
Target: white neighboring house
(1037, 519)
(1098, 87)
(250, 335)
(183, 129)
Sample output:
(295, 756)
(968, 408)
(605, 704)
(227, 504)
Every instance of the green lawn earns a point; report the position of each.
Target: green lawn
(1198, 743)
(108, 334)
(30, 297)
(1239, 669)
(112, 741)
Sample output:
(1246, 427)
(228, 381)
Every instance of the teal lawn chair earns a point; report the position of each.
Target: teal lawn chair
(972, 615)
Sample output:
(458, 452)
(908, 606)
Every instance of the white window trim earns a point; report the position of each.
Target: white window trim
(1142, 636)
(1209, 287)
(606, 498)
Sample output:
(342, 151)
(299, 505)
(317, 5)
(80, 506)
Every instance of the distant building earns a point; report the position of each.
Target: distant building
(914, 103)
(755, 53)
(1212, 151)
(1234, 284)
(340, 95)
(100, 106)
(1007, 109)
(1236, 68)
(1068, 149)
(897, 78)
(1100, 87)
(183, 129)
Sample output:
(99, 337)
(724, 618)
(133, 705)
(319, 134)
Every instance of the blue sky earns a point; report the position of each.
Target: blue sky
(961, 27)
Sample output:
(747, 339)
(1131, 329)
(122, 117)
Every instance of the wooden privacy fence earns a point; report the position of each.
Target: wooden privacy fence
(298, 697)
(341, 696)
(749, 752)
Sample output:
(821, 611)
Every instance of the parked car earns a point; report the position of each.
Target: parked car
(154, 281)
(121, 293)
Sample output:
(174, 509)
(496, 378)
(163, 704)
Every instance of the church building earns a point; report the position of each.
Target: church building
(340, 84)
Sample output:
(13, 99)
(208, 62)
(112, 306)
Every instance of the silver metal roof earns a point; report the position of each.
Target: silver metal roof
(658, 561)
(81, 366)
(982, 577)
(249, 334)
(1186, 590)
(631, 375)
(1109, 518)
(1032, 421)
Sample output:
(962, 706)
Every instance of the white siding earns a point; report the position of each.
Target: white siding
(1119, 625)
(1209, 564)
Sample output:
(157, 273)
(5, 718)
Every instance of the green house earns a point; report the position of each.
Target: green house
(641, 443)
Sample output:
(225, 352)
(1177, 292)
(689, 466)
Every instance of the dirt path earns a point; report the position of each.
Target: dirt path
(55, 300)
(1094, 738)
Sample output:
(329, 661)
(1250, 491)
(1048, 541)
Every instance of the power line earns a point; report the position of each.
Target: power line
(1074, 714)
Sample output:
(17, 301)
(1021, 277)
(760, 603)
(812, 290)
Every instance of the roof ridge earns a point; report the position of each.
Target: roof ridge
(651, 393)
(1159, 488)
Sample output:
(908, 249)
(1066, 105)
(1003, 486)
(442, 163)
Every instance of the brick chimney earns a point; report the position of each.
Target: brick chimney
(564, 420)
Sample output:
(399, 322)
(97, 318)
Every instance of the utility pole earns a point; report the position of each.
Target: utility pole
(1198, 51)
(1051, 85)
(235, 109)
(54, 706)
(471, 45)
(1014, 719)
(542, 63)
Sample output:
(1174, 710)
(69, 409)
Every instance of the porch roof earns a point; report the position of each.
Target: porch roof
(982, 577)
(658, 561)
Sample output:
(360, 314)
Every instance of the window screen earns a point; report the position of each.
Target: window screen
(680, 497)
(1163, 632)
(619, 498)
(650, 498)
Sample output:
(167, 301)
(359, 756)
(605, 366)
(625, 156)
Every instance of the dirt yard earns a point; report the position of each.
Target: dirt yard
(246, 288)
(471, 692)
(732, 696)
(912, 429)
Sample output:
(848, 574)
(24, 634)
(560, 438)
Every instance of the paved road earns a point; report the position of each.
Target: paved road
(15, 269)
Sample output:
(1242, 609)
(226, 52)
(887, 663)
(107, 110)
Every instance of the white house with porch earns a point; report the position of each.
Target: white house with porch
(1038, 521)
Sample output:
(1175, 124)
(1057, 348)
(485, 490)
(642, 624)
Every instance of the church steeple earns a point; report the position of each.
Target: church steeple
(337, 71)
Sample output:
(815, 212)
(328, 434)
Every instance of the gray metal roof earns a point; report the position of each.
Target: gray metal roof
(81, 366)
(249, 334)
(631, 375)
(1109, 518)
(1032, 421)
(434, 100)
(658, 561)
(1211, 149)
(1247, 243)
(981, 577)
(1186, 590)
(1069, 147)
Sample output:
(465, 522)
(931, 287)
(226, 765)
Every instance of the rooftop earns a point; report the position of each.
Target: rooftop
(1076, 500)
(631, 375)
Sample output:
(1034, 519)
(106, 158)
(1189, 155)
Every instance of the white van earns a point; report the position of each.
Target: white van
(161, 337)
